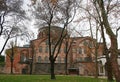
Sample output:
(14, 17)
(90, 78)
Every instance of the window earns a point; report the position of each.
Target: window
(40, 49)
(65, 60)
(39, 59)
(79, 59)
(46, 49)
(64, 50)
(23, 58)
(101, 67)
(52, 48)
(85, 43)
(84, 51)
(59, 59)
(90, 44)
(73, 50)
(79, 50)
(46, 59)
(47, 42)
(88, 59)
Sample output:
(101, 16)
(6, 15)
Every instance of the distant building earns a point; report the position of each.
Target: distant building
(102, 64)
(80, 57)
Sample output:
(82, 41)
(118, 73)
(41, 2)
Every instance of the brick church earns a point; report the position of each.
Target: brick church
(81, 56)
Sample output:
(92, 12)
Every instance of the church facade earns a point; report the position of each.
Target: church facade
(34, 58)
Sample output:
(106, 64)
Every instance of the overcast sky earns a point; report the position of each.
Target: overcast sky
(80, 27)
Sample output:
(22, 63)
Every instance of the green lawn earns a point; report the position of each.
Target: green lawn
(46, 78)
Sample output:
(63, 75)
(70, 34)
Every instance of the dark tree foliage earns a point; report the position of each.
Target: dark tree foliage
(2, 58)
(51, 13)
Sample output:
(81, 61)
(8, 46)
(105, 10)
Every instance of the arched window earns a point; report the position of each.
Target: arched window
(40, 49)
(79, 50)
(85, 43)
(65, 50)
(46, 49)
(101, 68)
(90, 44)
(84, 50)
(52, 48)
(46, 59)
(23, 58)
(39, 59)
(47, 42)
(59, 59)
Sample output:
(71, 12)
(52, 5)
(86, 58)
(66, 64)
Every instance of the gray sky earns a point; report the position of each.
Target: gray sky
(80, 27)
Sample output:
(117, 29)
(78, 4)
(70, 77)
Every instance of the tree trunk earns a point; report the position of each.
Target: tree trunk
(113, 39)
(108, 66)
(11, 58)
(109, 71)
(11, 66)
(31, 65)
(52, 69)
(66, 65)
(4, 45)
(96, 66)
(31, 61)
(66, 57)
(114, 56)
(96, 63)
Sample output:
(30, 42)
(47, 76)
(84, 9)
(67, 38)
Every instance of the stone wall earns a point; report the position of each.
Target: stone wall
(44, 68)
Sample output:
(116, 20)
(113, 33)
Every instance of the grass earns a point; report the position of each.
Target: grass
(46, 78)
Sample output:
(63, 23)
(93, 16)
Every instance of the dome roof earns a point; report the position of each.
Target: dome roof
(55, 31)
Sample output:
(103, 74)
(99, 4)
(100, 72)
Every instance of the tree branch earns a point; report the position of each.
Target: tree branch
(117, 31)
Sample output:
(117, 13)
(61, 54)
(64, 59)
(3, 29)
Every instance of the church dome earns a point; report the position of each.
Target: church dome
(55, 32)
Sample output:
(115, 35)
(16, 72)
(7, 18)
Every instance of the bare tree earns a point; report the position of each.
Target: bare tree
(11, 53)
(92, 28)
(11, 10)
(104, 11)
(68, 41)
(106, 52)
(54, 12)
